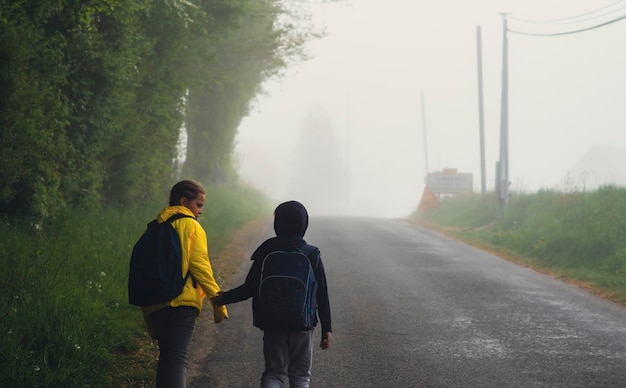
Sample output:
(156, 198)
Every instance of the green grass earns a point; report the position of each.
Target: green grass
(578, 236)
(65, 317)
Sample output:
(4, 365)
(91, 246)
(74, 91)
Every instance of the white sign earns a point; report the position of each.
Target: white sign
(442, 183)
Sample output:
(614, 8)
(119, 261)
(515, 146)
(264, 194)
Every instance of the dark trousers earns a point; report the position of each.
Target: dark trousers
(173, 327)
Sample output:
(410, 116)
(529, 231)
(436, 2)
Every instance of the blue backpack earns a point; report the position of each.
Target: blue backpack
(155, 265)
(287, 290)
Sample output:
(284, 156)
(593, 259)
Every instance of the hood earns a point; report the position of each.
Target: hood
(291, 219)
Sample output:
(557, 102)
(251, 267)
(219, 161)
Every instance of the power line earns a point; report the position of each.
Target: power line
(568, 32)
(575, 18)
(592, 17)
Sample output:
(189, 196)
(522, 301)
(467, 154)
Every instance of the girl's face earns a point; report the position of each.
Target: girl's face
(195, 205)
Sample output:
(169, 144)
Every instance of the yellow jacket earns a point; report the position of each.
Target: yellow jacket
(195, 259)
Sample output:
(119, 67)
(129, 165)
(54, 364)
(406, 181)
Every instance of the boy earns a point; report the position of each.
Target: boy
(288, 351)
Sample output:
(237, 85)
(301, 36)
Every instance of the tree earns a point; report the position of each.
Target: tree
(91, 93)
(263, 44)
(33, 110)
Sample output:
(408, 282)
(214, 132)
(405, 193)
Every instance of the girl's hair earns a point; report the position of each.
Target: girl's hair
(188, 189)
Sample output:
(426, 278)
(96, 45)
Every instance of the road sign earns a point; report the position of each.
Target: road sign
(429, 200)
(450, 183)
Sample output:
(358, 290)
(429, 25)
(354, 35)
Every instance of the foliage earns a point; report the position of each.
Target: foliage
(33, 110)
(66, 320)
(92, 93)
(578, 235)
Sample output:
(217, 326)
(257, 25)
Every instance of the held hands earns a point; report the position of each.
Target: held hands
(217, 300)
(219, 311)
(326, 340)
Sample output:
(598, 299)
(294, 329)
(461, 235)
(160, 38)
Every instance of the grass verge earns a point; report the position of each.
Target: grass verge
(575, 236)
(66, 320)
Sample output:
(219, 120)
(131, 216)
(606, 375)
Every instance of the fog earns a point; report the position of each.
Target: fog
(345, 132)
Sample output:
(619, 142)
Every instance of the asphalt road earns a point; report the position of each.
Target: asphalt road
(414, 309)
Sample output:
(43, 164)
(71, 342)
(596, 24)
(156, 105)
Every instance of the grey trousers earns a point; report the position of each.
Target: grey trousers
(288, 356)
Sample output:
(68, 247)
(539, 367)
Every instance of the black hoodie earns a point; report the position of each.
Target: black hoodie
(291, 221)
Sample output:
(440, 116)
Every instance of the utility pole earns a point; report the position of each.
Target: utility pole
(348, 153)
(481, 116)
(425, 142)
(503, 170)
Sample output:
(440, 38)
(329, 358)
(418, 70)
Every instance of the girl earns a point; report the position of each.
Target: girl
(172, 323)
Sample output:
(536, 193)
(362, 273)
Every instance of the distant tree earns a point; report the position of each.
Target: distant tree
(319, 176)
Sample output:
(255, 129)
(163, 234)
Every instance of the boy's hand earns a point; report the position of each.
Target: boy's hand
(326, 340)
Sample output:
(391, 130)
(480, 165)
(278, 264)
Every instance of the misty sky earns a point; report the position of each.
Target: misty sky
(343, 132)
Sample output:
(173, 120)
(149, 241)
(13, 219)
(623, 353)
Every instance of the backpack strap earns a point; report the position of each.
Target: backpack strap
(171, 219)
(176, 216)
(308, 250)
